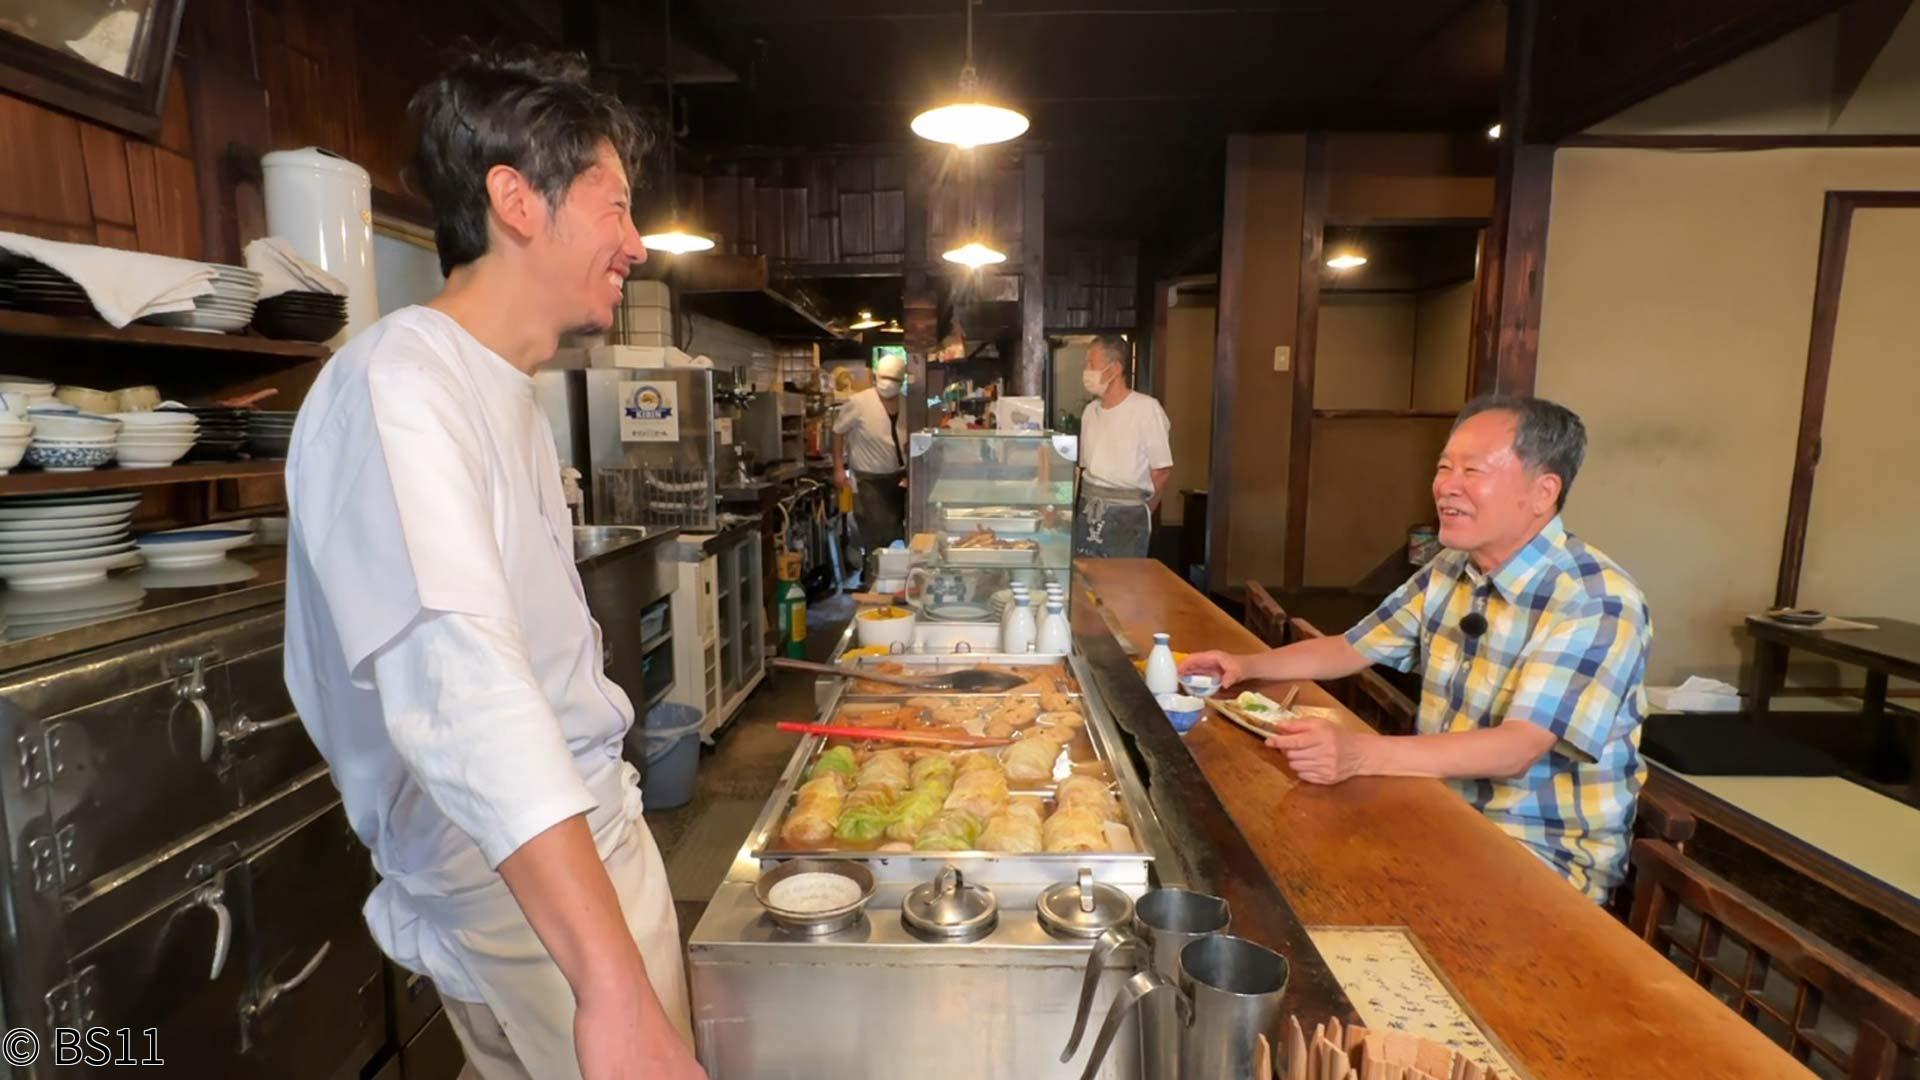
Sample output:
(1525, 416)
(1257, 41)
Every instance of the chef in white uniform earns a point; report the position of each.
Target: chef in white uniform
(1125, 458)
(439, 648)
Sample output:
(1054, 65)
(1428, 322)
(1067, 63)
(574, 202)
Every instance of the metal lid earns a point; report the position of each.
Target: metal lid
(1084, 908)
(949, 909)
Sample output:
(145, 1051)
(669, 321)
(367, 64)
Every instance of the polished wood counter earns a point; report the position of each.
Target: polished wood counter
(1570, 992)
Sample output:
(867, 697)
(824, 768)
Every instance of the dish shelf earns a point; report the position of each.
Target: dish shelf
(111, 477)
(32, 325)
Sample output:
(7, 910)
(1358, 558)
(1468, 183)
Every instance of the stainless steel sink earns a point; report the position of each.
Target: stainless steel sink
(594, 541)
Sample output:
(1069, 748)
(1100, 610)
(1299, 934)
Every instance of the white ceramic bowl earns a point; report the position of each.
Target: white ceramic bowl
(132, 436)
(71, 425)
(10, 454)
(888, 632)
(136, 399)
(149, 457)
(68, 458)
(156, 419)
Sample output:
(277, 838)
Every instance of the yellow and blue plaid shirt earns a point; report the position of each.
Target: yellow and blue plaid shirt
(1565, 648)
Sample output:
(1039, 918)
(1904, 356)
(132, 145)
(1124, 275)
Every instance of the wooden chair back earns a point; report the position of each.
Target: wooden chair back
(1265, 617)
(1369, 696)
(1822, 1006)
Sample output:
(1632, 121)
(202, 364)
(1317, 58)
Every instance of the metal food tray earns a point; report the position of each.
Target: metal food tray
(1001, 558)
(986, 867)
(955, 660)
(1009, 521)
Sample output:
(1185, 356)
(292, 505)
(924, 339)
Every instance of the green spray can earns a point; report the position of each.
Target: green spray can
(793, 621)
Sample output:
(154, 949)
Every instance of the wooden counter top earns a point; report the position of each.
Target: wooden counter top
(1570, 992)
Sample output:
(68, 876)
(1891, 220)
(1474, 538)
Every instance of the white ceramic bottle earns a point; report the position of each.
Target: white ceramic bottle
(1163, 675)
(1019, 635)
(1016, 593)
(1055, 635)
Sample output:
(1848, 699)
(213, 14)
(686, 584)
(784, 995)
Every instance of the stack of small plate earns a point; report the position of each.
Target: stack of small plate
(301, 316)
(153, 440)
(63, 541)
(39, 287)
(68, 440)
(269, 434)
(184, 549)
(223, 431)
(236, 291)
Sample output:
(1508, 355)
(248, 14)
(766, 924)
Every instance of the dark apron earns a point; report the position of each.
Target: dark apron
(1111, 522)
(879, 508)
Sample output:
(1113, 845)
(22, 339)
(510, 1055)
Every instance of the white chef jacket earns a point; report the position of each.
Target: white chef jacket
(440, 653)
(876, 442)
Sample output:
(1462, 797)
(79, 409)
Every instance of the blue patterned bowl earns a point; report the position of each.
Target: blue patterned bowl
(68, 458)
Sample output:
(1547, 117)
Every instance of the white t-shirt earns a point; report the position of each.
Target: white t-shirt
(876, 442)
(1120, 447)
(438, 645)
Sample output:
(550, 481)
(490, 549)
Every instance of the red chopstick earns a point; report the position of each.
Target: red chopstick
(925, 738)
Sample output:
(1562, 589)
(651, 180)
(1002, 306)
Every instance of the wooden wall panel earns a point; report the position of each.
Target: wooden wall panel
(43, 172)
(108, 192)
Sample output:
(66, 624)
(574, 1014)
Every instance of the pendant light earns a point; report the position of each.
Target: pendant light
(974, 255)
(675, 238)
(893, 327)
(866, 321)
(970, 122)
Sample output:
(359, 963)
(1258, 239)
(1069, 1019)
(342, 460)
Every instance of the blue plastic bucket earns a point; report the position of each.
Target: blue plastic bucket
(672, 735)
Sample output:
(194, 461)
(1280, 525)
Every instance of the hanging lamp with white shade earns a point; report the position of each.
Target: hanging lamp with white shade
(865, 322)
(974, 255)
(967, 121)
(674, 237)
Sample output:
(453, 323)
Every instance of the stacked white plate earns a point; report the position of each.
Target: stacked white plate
(64, 541)
(31, 613)
(181, 549)
(153, 440)
(236, 291)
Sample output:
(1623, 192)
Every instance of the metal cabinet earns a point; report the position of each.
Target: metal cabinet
(719, 623)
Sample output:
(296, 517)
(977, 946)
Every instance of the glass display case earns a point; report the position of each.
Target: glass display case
(992, 500)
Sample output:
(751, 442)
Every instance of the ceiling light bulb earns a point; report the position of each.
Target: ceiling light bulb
(865, 322)
(676, 240)
(969, 124)
(1493, 132)
(1346, 261)
(893, 327)
(974, 255)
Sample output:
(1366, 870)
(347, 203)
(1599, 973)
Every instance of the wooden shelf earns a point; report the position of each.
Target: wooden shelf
(110, 478)
(35, 326)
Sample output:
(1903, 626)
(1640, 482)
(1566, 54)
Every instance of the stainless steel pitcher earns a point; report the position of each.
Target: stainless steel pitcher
(1165, 921)
(1228, 992)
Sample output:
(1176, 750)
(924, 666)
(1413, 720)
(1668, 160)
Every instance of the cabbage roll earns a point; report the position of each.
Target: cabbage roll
(1031, 759)
(1074, 830)
(914, 810)
(952, 830)
(931, 767)
(1016, 828)
(816, 810)
(980, 792)
(977, 759)
(884, 769)
(1089, 794)
(837, 760)
(863, 820)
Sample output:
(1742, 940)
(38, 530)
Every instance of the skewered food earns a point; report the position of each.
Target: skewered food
(1016, 828)
(816, 810)
(985, 539)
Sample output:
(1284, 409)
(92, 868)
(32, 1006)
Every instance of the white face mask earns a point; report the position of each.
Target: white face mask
(1094, 381)
(889, 388)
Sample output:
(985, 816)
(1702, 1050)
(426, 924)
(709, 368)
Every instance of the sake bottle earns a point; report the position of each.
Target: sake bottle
(1163, 675)
(1020, 633)
(1017, 593)
(1055, 635)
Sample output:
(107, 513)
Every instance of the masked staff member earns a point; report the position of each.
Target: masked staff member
(1125, 458)
(439, 648)
(870, 447)
(1532, 647)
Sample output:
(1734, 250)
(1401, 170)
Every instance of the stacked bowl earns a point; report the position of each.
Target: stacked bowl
(19, 393)
(68, 440)
(15, 435)
(269, 434)
(154, 440)
(222, 431)
(229, 307)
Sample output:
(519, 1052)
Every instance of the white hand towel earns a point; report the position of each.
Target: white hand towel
(123, 285)
(282, 270)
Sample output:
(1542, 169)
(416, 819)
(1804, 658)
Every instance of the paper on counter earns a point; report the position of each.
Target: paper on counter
(1393, 988)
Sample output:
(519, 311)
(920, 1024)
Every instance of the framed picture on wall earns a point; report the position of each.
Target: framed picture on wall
(106, 60)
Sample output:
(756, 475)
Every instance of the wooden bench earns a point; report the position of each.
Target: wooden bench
(1822, 1006)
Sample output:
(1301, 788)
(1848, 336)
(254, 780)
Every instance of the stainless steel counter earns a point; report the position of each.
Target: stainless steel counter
(594, 544)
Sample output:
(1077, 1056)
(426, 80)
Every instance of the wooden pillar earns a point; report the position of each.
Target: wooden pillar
(919, 308)
(1506, 333)
(1030, 377)
(1313, 230)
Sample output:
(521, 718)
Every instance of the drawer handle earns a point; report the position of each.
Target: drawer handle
(207, 726)
(213, 898)
(245, 728)
(253, 1010)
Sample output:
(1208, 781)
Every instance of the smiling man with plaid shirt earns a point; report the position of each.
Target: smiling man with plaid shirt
(1532, 648)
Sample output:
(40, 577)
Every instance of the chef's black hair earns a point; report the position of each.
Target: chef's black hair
(529, 109)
